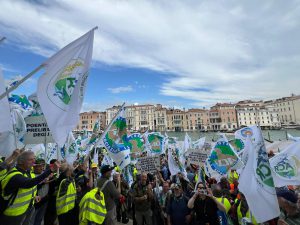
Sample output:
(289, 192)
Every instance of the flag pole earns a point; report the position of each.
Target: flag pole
(104, 133)
(21, 81)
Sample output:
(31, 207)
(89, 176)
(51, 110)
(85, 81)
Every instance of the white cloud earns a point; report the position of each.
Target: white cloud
(215, 51)
(118, 90)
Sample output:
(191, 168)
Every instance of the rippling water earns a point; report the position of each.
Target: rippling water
(273, 135)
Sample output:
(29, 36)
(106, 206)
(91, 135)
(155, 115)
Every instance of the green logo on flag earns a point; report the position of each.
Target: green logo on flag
(222, 158)
(65, 83)
(116, 137)
(135, 142)
(263, 170)
(237, 144)
(155, 142)
(287, 167)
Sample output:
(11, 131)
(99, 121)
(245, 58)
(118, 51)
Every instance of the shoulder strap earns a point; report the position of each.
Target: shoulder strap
(104, 185)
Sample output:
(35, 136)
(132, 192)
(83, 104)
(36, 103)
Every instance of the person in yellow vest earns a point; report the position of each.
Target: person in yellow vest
(232, 177)
(19, 188)
(66, 196)
(92, 207)
(243, 212)
(218, 193)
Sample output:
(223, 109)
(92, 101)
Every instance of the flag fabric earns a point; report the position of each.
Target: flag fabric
(39, 151)
(223, 158)
(256, 181)
(127, 171)
(115, 138)
(51, 152)
(136, 143)
(174, 162)
(286, 166)
(20, 100)
(187, 143)
(290, 137)
(107, 160)
(70, 149)
(155, 142)
(9, 138)
(199, 144)
(61, 89)
(5, 116)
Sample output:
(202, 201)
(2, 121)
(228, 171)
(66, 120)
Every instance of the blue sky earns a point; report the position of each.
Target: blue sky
(178, 53)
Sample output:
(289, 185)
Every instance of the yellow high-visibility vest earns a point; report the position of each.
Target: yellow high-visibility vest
(23, 198)
(225, 202)
(66, 202)
(91, 208)
(3, 173)
(232, 176)
(248, 215)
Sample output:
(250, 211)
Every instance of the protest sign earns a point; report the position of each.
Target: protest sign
(148, 164)
(37, 131)
(197, 156)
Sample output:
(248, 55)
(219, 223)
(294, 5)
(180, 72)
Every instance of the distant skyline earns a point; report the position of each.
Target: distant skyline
(184, 54)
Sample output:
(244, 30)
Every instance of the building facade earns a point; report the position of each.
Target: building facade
(288, 109)
(223, 117)
(87, 120)
(256, 113)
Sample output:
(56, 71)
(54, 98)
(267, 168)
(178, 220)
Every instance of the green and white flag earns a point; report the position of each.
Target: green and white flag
(61, 89)
(256, 181)
(286, 166)
(115, 141)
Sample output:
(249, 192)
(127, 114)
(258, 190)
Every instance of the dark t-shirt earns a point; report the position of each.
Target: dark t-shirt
(178, 210)
(206, 211)
(140, 190)
(110, 193)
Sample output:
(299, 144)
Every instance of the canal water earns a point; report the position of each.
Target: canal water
(272, 135)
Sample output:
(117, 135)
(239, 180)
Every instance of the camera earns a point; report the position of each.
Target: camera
(203, 192)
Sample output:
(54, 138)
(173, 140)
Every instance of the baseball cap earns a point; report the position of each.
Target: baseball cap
(106, 168)
(94, 165)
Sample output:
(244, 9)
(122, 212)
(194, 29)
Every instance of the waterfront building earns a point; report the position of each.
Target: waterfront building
(87, 120)
(176, 120)
(160, 118)
(223, 117)
(288, 109)
(256, 113)
(197, 119)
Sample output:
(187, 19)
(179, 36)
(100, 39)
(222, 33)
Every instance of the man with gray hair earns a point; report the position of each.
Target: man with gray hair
(19, 188)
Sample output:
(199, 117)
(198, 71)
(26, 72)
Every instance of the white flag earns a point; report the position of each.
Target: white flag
(5, 117)
(286, 166)
(187, 143)
(71, 149)
(256, 181)
(290, 137)
(61, 89)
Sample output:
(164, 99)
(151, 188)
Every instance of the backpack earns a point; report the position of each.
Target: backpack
(5, 203)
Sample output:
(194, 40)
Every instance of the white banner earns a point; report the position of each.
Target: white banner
(197, 157)
(37, 131)
(148, 164)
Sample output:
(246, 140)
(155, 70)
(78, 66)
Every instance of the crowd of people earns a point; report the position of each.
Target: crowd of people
(35, 193)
